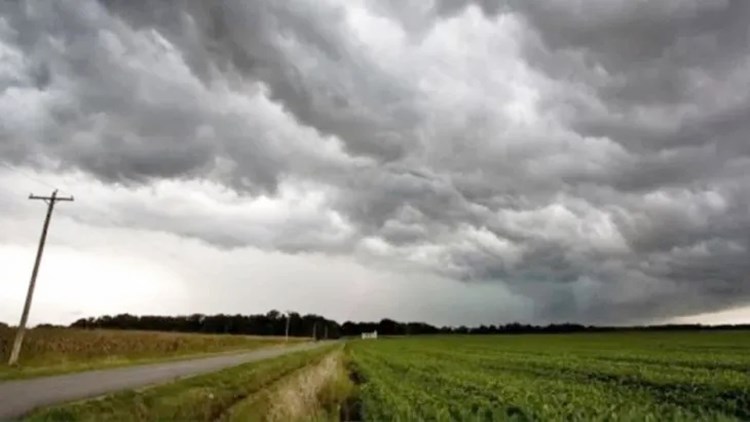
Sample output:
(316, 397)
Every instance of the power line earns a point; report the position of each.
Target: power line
(28, 176)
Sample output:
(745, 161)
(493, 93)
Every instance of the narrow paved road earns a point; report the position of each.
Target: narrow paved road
(20, 397)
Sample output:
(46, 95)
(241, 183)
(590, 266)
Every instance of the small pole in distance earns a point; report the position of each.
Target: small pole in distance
(286, 336)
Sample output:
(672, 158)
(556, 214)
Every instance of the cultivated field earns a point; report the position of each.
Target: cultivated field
(626, 376)
(55, 350)
(618, 376)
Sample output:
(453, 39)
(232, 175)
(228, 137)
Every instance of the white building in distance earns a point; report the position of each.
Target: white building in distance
(372, 335)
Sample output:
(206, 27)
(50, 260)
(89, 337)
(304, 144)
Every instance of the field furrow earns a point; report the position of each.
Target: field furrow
(612, 376)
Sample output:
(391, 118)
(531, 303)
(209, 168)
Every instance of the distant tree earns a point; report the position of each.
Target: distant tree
(389, 327)
(273, 314)
(41, 326)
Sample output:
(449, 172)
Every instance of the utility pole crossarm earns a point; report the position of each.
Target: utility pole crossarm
(52, 198)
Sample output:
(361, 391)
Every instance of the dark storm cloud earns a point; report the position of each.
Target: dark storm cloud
(592, 156)
(277, 43)
(666, 74)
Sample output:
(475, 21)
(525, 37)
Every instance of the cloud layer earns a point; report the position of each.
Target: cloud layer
(592, 157)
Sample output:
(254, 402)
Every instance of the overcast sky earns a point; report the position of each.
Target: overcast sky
(457, 162)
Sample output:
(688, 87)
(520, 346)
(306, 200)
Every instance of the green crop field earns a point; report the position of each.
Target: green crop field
(651, 376)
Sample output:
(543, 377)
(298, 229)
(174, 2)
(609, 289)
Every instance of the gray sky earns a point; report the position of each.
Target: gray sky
(458, 162)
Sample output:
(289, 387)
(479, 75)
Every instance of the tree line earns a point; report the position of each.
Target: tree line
(311, 325)
(273, 323)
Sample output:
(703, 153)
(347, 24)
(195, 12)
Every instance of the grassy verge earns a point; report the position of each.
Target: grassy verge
(318, 392)
(202, 398)
(61, 350)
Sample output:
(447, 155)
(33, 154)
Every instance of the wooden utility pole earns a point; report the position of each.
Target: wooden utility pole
(287, 327)
(315, 331)
(50, 200)
(326, 332)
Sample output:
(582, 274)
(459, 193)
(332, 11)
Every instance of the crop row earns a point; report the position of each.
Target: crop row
(493, 379)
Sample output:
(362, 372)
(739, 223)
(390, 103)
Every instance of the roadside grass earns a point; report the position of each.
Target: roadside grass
(201, 398)
(52, 351)
(316, 392)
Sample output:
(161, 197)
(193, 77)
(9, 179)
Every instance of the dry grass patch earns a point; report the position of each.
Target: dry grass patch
(316, 392)
(57, 350)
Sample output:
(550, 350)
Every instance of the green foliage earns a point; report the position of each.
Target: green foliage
(618, 376)
(271, 323)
